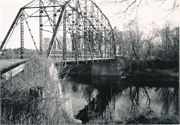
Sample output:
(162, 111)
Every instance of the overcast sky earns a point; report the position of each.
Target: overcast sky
(147, 13)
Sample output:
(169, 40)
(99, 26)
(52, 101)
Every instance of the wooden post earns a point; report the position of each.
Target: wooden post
(12, 54)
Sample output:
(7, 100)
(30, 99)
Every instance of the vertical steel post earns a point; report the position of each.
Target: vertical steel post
(105, 37)
(110, 49)
(40, 27)
(81, 40)
(92, 33)
(64, 36)
(85, 29)
(22, 34)
(70, 29)
(101, 32)
(98, 35)
(54, 15)
(109, 42)
(54, 20)
(77, 32)
(72, 35)
(114, 47)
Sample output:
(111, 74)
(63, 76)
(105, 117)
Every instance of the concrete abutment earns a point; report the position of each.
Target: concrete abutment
(104, 68)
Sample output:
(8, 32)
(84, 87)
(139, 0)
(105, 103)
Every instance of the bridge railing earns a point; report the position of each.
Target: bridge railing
(81, 55)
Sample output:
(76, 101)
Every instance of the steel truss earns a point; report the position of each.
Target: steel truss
(78, 29)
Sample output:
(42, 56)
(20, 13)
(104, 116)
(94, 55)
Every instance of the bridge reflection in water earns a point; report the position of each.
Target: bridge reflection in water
(94, 96)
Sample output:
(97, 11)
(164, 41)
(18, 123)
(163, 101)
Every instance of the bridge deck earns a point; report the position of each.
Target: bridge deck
(10, 64)
(6, 65)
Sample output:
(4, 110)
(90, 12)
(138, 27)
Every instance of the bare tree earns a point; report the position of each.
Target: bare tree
(149, 41)
(136, 40)
(170, 41)
(132, 6)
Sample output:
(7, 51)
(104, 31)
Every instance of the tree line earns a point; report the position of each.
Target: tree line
(140, 43)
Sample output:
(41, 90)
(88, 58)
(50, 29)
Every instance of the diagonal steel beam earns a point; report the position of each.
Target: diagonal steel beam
(105, 17)
(11, 28)
(57, 28)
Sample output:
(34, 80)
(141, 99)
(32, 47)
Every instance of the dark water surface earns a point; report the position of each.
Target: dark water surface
(117, 98)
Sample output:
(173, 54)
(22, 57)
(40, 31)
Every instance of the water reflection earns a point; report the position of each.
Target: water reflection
(94, 95)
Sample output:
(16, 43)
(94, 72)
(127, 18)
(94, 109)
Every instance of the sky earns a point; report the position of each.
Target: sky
(147, 13)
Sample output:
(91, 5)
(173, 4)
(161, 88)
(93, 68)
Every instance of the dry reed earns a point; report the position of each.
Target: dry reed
(32, 97)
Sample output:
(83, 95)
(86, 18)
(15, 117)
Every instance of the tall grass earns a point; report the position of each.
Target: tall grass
(148, 116)
(33, 97)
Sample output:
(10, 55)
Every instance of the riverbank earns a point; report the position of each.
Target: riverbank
(158, 68)
(120, 67)
(154, 73)
(139, 119)
(35, 96)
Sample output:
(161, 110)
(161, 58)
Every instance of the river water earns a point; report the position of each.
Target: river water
(117, 99)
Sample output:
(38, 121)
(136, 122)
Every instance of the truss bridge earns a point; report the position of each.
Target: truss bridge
(73, 30)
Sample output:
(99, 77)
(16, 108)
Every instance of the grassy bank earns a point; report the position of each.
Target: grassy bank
(136, 116)
(153, 68)
(153, 73)
(32, 97)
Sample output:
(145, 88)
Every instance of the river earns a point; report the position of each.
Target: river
(117, 99)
